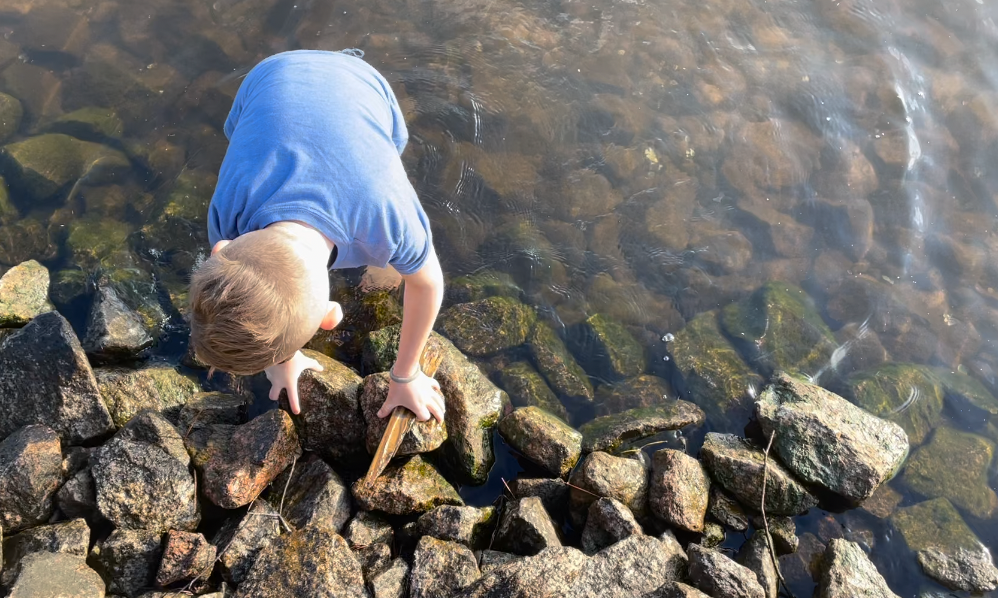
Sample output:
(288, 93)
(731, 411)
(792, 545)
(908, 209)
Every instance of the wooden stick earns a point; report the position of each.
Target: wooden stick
(765, 522)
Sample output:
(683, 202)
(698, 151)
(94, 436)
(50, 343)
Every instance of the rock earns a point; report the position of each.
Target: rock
(550, 573)
(828, 441)
(713, 535)
(24, 294)
(490, 560)
(89, 124)
(330, 422)
(610, 431)
(8, 211)
(422, 438)
(482, 285)
(726, 510)
(755, 556)
(720, 251)
(129, 560)
(906, 394)
(30, 475)
(721, 577)
(555, 362)
(186, 556)
(45, 378)
(770, 155)
(441, 569)
(614, 353)
(736, 466)
(632, 393)
(315, 495)
(526, 528)
(392, 582)
(43, 166)
(96, 243)
(487, 326)
(846, 571)
(241, 539)
(607, 523)
(114, 332)
(54, 574)
(466, 525)
(714, 377)
(783, 532)
(158, 387)
(213, 408)
(947, 550)
(11, 113)
(552, 492)
(603, 475)
(673, 589)
(779, 329)
(971, 401)
(25, 239)
(679, 490)
(68, 537)
(527, 388)
(78, 498)
(406, 488)
(367, 529)
(584, 196)
(847, 224)
(313, 562)
(142, 477)
(954, 465)
(542, 438)
(634, 566)
(883, 502)
(237, 472)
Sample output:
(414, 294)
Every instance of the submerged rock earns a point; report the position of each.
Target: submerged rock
(555, 362)
(610, 431)
(954, 465)
(484, 284)
(89, 124)
(603, 475)
(24, 294)
(406, 488)
(114, 331)
(45, 378)
(11, 114)
(330, 422)
(967, 397)
(466, 525)
(607, 523)
(30, 476)
(527, 388)
(487, 326)
(241, 538)
(736, 465)
(632, 393)
(158, 387)
(67, 537)
(906, 394)
(827, 440)
(129, 560)
(441, 569)
(315, 495)
(542, 438)
(526, 528)
(40, 167)
(947, 550)
(727, 510)
(713, 374)
(422, 438)
(186, 556)
(613, 351)
(721, 577)
(679, 490)
(54, 574)
(846, 572)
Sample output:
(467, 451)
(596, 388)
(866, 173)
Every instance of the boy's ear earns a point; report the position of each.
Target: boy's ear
(218, 246)
(333, 316)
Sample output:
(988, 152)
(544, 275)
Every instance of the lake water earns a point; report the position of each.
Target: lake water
(649, 160)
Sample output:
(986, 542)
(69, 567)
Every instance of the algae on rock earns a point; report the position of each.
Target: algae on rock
(556, 363)
(42, 166)
(487, 326)
(613, 351)
(954, 465)
(632, 393)
(527, 388)
(607, 433)
(906, 394)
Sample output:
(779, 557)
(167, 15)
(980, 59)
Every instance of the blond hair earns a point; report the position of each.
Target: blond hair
(249, 306)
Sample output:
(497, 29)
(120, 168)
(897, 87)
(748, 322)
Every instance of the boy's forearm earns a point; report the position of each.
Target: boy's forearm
(424, 292)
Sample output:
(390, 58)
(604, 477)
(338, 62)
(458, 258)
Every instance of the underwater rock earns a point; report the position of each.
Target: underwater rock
(313, 561)
(408, 487)
(679, 490)
(972, 402)
(487, 326)
(954, 465)
(610, 431)
(422, 438)
(24, 294)
(736, 465)
(526, 528)
(550, 572)
(25, 239)
(603, 475)
(67, 537)
(55, 574)
(783, 531)
(770, 155)
(906, 394)
(608, 522)
(779, 329)
(947, 550)
(206, 409)
(556, 364)
(527, 388)
(787, 237)
(465, 525)
(43, 166)
(721, 577)
(92, 241)
(11, 114)
(632, 393)
(721, 251)
(584, 195)
(482, 285)
(883, 502)
(114, 332)
(158, 387)
(8, 211)
(142, 477)
(713, 374)
(129, 560)
(614, 352)
(330, 422)
(828, 441)
(30, 475)
(542, 438)
(186, 556)
(93, 123)
(756, 557)
(726, 510)
(846, 571)
(441, 569)
(847, 224)
(45, 378)
(241, 539)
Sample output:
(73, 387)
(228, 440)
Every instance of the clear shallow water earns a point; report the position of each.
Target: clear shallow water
(646, 160)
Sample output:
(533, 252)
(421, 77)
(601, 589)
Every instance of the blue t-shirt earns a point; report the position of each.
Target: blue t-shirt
(316, 137)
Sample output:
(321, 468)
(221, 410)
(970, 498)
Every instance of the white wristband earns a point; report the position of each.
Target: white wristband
(407, 379)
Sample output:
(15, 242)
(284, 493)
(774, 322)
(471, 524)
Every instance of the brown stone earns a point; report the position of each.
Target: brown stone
(679, 490)
(186, 556)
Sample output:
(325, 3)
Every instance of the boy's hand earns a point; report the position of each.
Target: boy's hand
(285, 376)
(422, 396)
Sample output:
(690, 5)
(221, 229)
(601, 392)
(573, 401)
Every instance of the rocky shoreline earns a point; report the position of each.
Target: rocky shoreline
(122, 477)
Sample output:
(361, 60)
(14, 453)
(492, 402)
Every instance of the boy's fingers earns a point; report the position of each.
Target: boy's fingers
(422, 413)
(386, 409)
(275, 392)
(293, 399)
(435, 409)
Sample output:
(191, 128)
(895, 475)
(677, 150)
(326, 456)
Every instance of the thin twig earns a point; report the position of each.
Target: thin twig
(765, 522)
(511, 493)
(280, 510)
(193, 421)
(571, 485)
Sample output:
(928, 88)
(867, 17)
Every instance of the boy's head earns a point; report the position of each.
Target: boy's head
(257, 300)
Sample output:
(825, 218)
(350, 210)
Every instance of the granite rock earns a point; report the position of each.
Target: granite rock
(422, 438)
(526, 528)
(24, 294)
(330, 422)
(756, 556)
(610, 431)
(441, 569)
(78, 498)
(607, 523)
(393, 582)
(367, 529)
(679, 490)
(487, 326)
(406, 488)
(159, 387)
(846, 572)
(212, 408)
(726, 510)
(674, 589)
(129, 560)
(470, 526)
(67, 537)
(54, 574)
(556, 364)
(549, 573)
(552, 492)
(315, 495)
(241, 539)
(955, 465)
(603, 475)
(490, 560)
(542, 438)
(720, 577)
(186, 556)
(114, 331)
(527, 388)
(634, 566)
(30, 476)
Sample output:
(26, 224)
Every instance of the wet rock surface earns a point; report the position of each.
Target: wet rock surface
(24, 294)
(126, 391)
(679, 490)
(610, 431)
(726, 510)
(241, 538)
(526, 528)
(607, 522)
(114, 331)
(330, 422)
(315, 495)
(53, 574)
(129, 560)
(186, 556)
(406, 488)
(68, 537)
(527, 388)
(885, 392)
(721, 577)
(556, 363)
(465, 525)
(954, 465)
(487, 326)
(422, 438)
(542, 438)
(441, 569)
(632, 393)
(847, 571)
(614, 352)
(43, 166)
(30, 475)
(603, 475)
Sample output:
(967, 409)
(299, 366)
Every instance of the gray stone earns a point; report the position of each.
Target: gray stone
(212, 408)
(373, 559)
(490, 560)
(315, 495)
(422, 438)
(543, 438)
(549, 573)
(846, 572)
(441, 569)
(367, 529)
(603, 475)
(826, 440)
(68, 537)
(632, 567)
(721, 577)
(527, 388)
(241, 539)
(674, 589)
(45, 378)
(563, 373)
(526, 528)
(30, 476)
(552, 492)
(114, 331)
(53, 574)
(330, 422)
(407, 488)
(186, 557)
(610, 431)
(676, 560)
(24, 293)
(78, 498)
(679, 491)
(392, 582)
(783, 531)
(726, 510)
(608, 522)
(159, 387)
(465, 525)
(756, 556)
(129, 560)
(736, 465)
(487, 326)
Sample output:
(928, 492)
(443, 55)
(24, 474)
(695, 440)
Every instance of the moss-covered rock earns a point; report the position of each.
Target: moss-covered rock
(177, 237)
(68, 285)
(610, 431)
(24, 293)
(613, 351)
(713, 374)
(487, 326)
(89, 124)
(482, 285)
(43, 166)
(8, 211)
(126, 392)
(907, 394)
(967, 398)
(779, 328)
(92, 240)
(25, 240)
(406, 487)
(424, 436)
(603, 475)
(632, 393)
(542, 438)
(11, 114)
(954, 465)
(555, 362)
(527, 388)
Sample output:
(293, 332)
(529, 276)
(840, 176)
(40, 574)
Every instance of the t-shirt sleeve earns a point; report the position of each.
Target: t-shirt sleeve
(415, 245)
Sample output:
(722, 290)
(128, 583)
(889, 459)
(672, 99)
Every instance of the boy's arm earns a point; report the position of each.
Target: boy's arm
(424, 291)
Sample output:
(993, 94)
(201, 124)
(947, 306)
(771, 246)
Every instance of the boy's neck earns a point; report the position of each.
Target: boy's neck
(314, 246)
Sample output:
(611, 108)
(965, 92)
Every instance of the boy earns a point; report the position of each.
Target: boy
(312, 179)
